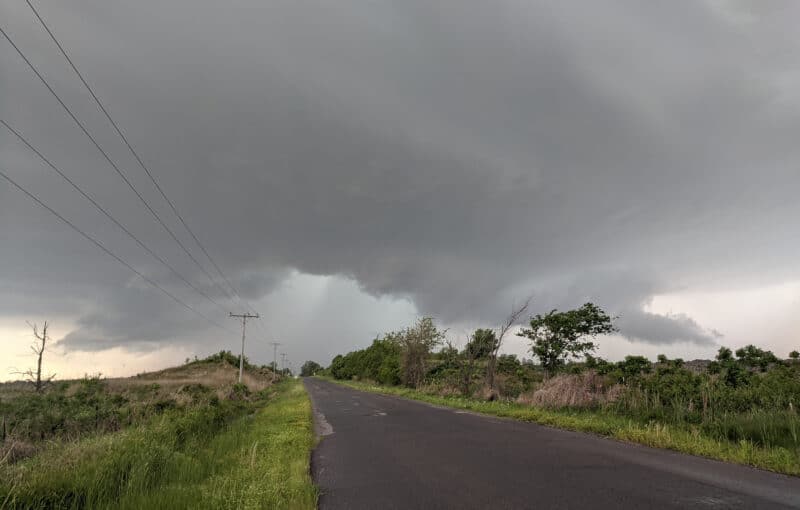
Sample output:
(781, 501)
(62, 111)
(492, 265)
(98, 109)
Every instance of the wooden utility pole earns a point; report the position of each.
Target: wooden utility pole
(275, 356)
(283, 361)
(244, 317)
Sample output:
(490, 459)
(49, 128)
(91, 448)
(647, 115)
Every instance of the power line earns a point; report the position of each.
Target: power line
(136, 156)
(107, 157)
(109, 252)
(107, 214)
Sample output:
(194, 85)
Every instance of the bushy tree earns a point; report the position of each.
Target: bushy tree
(508, 364)
(794, 355)
(416, 344)
(482, 344)
(457, 368)
(626, 370)
(597, 363)
(730, 371)
(561, 336)
(310, 368)
(755, 358)
(379, 362)
(633, 366)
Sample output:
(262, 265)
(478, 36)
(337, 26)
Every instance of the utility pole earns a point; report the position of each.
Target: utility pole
(275, 356)
(244, 317)
(283, 361)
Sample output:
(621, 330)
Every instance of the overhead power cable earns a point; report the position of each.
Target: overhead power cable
(108, 215)
(110, 253)
(137, 157)
(108, 158)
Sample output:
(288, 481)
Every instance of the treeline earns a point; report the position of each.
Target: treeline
(410, 357)
(400, 357)
(747, 394)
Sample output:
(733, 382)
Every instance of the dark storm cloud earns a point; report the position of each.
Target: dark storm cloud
(460, 154)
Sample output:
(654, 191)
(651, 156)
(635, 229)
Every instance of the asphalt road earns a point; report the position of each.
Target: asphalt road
(381, 452)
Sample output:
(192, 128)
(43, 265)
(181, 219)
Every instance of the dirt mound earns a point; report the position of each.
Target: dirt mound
(178, 382)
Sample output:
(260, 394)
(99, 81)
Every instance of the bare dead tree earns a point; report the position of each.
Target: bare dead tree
(511, 320)
(38, 348)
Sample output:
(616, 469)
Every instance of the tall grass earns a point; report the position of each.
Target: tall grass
(261, 461)
(775, 425)
(224, 455)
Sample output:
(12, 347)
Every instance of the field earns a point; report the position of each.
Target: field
(188, 437)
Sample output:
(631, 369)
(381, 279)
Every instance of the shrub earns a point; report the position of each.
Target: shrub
(379, 362)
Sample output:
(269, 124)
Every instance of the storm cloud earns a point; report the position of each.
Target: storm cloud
(453, 155)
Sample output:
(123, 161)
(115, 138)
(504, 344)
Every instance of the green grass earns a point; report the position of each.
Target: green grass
(230, 455)
(686, 439)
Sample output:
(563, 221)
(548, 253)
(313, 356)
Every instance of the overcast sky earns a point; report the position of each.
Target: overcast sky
(352, 165)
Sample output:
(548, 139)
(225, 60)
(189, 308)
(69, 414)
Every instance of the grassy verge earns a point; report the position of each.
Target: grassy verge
(685, 439)
(231, 455)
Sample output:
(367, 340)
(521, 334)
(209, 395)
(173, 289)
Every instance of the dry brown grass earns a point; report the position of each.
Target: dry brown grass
(584, 390)
(13, 389)
(14, 450)
(219, 376)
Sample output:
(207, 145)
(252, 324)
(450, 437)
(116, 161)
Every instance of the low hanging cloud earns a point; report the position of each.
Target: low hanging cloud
(457, 157)
(663, 329)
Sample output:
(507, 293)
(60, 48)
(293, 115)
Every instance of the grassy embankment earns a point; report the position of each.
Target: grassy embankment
(251, 452)
(686, 439)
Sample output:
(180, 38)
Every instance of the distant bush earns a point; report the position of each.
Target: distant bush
(226, 357)
(380, 362)
(310, 368)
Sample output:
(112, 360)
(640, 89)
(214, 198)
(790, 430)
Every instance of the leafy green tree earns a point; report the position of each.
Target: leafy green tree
(633, 366)
(482, 344)
(508, 364)
(560, 336)
(310, 368)
(724, 354)
(459, 367)
(416, 344)
(755, 358)
(730, 370)
(794, 355)
(597, 363)
(379, 362)
(663, 360)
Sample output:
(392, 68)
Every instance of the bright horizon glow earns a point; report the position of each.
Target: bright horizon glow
(762, 316)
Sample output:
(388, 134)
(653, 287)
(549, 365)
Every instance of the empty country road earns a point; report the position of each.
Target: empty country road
(383, 452)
